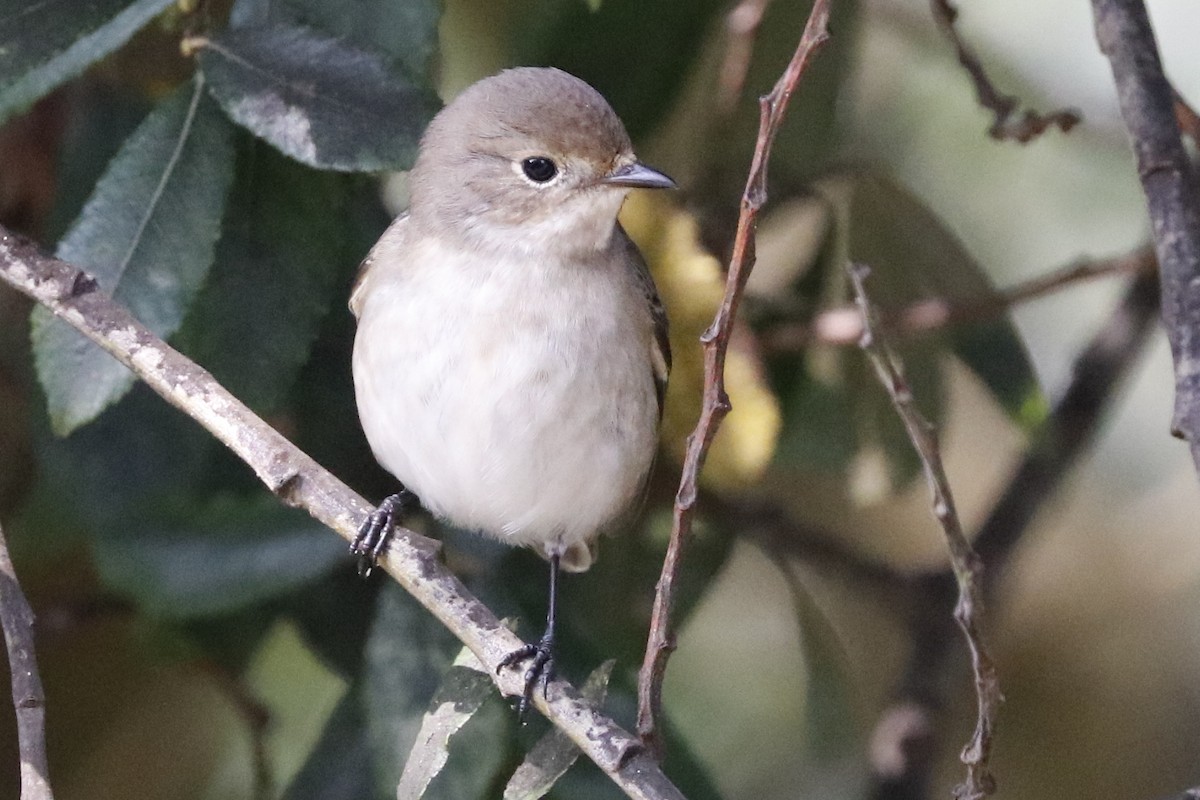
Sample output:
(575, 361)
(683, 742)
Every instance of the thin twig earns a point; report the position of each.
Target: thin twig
(1009, 121)
(1148, 107)
(843, 325)
(1055, 448)
(299, 481)
(964, 563)
(716, 405)
(29, 700)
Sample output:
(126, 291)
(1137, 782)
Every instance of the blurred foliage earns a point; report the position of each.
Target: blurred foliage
(146, 235)
(215, 165)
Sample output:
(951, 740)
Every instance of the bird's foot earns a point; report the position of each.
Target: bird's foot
(375, 532)
(541, 668)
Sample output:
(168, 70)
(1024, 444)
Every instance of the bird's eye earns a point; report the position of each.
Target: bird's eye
(539, 169)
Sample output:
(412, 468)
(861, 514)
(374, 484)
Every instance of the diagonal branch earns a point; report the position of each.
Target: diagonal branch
(29, 700)
(965, 564)
(299, 481)
(716, 405)
(1148, 107)
(1009, 121)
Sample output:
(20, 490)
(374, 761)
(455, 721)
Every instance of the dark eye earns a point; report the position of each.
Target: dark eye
(539, 169)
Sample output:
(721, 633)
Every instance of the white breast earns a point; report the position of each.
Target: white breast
(515, 399)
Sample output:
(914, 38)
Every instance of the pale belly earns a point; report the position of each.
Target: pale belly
(507, 418)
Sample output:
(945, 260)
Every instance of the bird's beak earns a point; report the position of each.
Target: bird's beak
(638, 176)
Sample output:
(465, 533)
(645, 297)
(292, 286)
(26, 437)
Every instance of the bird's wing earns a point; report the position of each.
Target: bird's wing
(392, 239)
(660, 348)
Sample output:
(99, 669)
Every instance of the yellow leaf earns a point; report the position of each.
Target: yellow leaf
(692, 282)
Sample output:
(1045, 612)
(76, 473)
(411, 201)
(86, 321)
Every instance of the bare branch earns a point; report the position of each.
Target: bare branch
(843, 325)
(1148, 107)
(1009, 122)
(299, 481)
(1056, 446)
(29, 700)
(716, 405)
(963, 561)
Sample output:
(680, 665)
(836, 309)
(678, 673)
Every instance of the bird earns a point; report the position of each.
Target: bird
(511, 352)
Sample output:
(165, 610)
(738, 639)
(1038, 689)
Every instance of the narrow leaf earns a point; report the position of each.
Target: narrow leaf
(46, 42)
(216, 558)
(554, 753)
(462, 693)
(318, 100)
(407, 655)
(147, 236)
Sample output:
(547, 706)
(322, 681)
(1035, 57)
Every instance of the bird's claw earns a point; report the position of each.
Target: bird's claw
(375, 532)
(541, 668)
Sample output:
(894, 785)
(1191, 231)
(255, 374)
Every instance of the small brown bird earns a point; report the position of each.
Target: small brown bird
(511, 353)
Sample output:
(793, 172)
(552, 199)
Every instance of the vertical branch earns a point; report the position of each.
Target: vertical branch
(29, 700)
(1147, 105)
(964, 563)
(716, 402)
(1055, 448)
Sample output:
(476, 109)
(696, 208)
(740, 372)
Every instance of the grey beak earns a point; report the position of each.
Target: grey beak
(638, 176)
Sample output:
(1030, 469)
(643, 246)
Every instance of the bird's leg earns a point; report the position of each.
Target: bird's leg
(541, 666)
(376, 530)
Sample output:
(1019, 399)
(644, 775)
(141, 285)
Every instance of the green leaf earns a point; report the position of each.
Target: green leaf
(147, 236)
(340, 763)
(479, 754)
(637, 53)
(46, 42)
(993, 351)
(554, 753)
(229, 553)
(462, 693)
(297, 694)
(833, 741)
(836, 416)
(318, 100)
(141, 451)
(407, 656)
(334, 616)
(914, 256)
(405, 32)
(102, 119)
(811, 132)
(282, 253)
